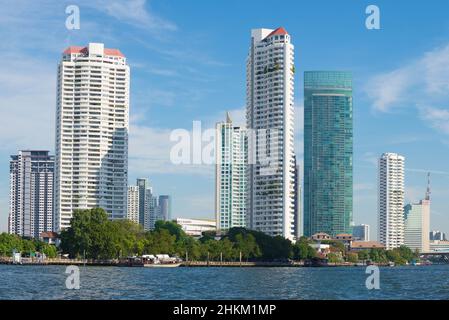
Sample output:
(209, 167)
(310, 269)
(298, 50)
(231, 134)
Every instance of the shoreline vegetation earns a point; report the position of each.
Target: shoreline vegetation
(93, 239)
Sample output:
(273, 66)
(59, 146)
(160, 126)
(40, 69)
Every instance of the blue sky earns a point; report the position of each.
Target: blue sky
(187, 63)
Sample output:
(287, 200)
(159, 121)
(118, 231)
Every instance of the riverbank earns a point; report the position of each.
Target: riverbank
(193, 264)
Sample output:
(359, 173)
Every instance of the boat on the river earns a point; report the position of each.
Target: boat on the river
(151, 261)
(160, 261)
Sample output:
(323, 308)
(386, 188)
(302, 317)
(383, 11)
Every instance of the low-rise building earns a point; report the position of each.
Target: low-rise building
(49, 237)
(439, 245)
(196, 227)
(321, 236)
(366, 245)
(321, 249)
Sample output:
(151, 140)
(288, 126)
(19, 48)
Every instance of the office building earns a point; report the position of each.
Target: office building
(91, 167)
(31, 193)
(230, 175)
(417, 224)
(328, 152)
(436, 235)
(391, 200)
(361, 232)
(270, 121)
(196, 227)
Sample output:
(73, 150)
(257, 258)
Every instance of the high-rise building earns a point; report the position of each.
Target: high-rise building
(417, 224)
(328, 151)
(164, 208)
(230, 175)
(153, 211)
(143, 186)
(270, 121)
(133, 204)
(91, 168)
(391, 200)
(361, 232)
(435, 235)
(298, 192)
(31, 193)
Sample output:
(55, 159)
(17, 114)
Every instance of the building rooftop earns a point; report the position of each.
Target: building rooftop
(277, 32)
(85, 50)
(366, 245)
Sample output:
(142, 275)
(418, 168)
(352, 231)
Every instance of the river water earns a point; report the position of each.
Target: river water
(48, 282)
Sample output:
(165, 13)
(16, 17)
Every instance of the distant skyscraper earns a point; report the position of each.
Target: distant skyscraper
(230, 175)
(153, 211)
(328, 151)
(437, 235)
(143, 186)
(31, 193)
(270, 118)
(91, 132)
(133, 204)
(417, 224)
(391, 200)
(164, 208)
(361, 232)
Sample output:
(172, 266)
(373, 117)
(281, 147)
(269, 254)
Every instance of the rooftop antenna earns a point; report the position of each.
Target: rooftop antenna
(428, 187)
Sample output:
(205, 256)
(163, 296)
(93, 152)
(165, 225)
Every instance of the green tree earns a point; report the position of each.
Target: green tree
(352, 257)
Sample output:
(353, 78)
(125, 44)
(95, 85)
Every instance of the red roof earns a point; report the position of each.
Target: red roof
(277, 32)
(107, 52)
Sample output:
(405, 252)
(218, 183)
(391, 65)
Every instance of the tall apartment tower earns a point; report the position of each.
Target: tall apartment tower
(133, 204)
(91, 132)
(269, 120)
(391, 200)
(31, 193)
(417, 224)
(328, 151)
(230, 175)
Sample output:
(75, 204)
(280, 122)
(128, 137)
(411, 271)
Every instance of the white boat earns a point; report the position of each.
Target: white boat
(161, 265)
(160, 261)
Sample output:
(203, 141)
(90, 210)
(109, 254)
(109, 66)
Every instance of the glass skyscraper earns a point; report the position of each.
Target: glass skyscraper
(328, 150)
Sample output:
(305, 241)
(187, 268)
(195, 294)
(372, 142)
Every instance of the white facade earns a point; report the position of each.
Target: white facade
(417, 225)
(270, 118)
(391, 200)
(195, 227)
(230, 175)
(91, 132)
(31, 193)
(133, 204)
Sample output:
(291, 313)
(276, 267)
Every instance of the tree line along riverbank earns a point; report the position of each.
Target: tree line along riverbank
(93, 237)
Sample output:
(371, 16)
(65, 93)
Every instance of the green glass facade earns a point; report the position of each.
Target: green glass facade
(328, 151)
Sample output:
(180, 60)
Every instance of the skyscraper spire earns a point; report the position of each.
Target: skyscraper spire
(428, 187)
(228, 117)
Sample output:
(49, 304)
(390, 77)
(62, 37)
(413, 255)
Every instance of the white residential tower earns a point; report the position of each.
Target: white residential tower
(269, 118)
(91, 132)
(391, 200)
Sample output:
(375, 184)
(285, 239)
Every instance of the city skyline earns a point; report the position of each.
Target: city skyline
(375, 109)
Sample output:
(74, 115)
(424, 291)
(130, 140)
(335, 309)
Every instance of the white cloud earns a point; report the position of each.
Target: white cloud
(438, 118)
(133, 12)
(422, 84)
(149, 153)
